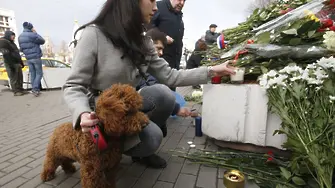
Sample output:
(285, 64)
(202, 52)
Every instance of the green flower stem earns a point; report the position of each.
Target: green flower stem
(227, 165)
(273, 180)
(302, 130)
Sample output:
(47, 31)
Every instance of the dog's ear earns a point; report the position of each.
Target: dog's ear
(132, 99)
(134, 123)
(110, 111)
(128, 94)
(118, 108)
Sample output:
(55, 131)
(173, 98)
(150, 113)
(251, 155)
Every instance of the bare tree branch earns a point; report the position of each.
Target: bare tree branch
(257, 4)
(63, 51)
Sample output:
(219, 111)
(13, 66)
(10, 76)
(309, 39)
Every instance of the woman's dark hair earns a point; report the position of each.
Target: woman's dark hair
(201, 45)
(156, 35)
(121, 21)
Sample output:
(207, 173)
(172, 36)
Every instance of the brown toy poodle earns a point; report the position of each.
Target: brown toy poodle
(118, 109)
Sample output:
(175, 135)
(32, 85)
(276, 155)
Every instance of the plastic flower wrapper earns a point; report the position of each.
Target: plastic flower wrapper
(312, 7)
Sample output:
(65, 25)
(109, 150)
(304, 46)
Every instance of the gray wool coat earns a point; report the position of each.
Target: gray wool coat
(97, 64)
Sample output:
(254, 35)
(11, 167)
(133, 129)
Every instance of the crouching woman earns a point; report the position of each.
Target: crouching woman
(113, 49)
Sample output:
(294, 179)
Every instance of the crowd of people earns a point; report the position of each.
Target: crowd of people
(30, 45)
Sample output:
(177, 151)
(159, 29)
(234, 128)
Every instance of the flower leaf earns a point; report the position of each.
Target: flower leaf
(307, 26)
(263, 38)
(279, 131)
(264, 70)
(290, 32)
(295, 41)
(311, 33)
(284, 172)
(329, 87)
(298, 181)
(256, 11)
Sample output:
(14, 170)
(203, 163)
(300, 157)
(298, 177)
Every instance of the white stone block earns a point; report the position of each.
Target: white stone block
(239, 113)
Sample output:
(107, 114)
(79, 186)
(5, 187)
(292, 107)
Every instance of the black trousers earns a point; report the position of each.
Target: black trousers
(15, 76)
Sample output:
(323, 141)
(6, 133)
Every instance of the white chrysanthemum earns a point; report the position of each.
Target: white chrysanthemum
(327, 63)
(263, 81)
(291, 69)
(197, 93)
(329, 40)
(281, 80)
(332, 98)
(293, 79)
(311, 66)
(320, 74)
(272, 73)
(272, 79)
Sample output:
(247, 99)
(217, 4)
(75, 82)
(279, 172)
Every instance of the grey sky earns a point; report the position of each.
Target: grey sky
(55, 18)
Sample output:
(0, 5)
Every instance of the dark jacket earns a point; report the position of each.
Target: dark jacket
(150, 81)
(211, 37)
(194, 60)
(171, 23)
(30, 44)
(9, 49)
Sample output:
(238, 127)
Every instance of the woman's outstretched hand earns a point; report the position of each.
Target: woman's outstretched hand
(88, 120)
(186, 112)
(223, 69)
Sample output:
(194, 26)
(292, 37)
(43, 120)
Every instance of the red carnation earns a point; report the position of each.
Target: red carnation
(326, 23)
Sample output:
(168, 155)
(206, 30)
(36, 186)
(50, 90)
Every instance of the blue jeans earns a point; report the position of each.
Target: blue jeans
(158, 104)
(36, 73)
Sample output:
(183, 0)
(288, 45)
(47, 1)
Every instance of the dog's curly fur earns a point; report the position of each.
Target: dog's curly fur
(118, 109)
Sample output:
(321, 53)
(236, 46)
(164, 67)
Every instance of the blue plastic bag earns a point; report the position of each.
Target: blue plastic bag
(180, 100)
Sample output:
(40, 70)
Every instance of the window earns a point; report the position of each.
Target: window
(58, 64)
(4, 21)
(46, 63)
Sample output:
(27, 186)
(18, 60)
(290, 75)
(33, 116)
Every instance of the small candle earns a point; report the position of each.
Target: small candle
(233, 177)
(198, 130)
(216, 80)
(189, 143)
(192, 146)
(238, 77)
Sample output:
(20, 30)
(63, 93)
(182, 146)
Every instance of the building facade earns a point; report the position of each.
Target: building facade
(47, 47)
(7, 22)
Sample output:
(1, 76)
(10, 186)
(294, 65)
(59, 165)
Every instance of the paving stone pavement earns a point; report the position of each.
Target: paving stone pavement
(25, 126)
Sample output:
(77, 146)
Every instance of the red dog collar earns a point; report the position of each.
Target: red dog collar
(98, 138)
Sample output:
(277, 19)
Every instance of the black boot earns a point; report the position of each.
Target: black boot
(164, 130)
(152, 161)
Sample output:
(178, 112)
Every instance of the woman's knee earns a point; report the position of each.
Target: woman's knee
(151, 137)
(160, 94)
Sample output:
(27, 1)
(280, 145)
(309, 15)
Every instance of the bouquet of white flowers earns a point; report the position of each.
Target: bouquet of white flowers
(304, 99)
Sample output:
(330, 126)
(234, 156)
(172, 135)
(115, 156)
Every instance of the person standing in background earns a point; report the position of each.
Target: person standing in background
(195, 59)
(169, 20)
(211, 34)
(202, 38)
(13, 62)
(30, 43)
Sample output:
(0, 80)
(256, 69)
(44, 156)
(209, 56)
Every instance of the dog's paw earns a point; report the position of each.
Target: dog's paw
(47, 175)
(69, 168)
